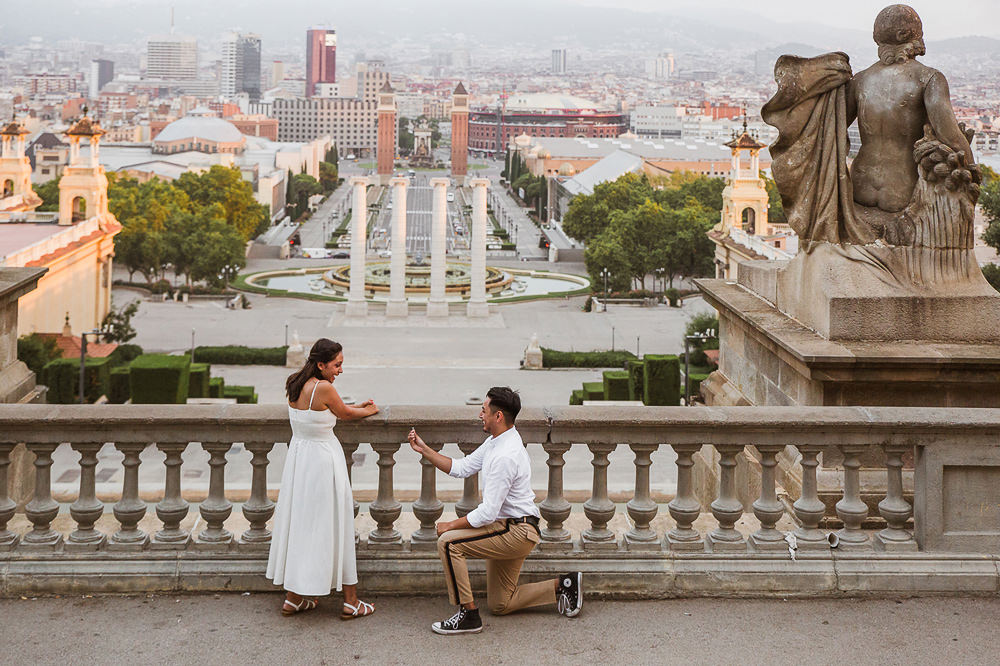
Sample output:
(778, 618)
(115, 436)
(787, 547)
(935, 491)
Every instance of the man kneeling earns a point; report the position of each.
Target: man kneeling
(502, 530)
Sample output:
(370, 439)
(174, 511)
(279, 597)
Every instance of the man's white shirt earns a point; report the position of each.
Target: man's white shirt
(505, 477)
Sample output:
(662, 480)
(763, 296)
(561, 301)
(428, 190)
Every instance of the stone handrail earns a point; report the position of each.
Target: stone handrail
(854, 431)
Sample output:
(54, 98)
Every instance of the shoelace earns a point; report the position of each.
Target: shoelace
(455, 619)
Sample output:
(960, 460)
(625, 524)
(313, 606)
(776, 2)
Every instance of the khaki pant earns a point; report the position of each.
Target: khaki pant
(504, 548)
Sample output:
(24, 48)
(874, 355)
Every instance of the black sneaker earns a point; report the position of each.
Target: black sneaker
(463, 622)
(569, 600)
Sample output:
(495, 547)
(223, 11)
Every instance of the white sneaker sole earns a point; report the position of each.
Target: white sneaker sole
(573, 612)
(436, 628)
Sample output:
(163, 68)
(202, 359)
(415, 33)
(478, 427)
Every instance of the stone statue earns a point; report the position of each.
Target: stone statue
(913, 183)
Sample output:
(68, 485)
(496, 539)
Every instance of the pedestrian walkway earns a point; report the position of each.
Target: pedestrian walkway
(242, 629)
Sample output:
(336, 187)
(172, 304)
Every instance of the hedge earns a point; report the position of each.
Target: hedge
(616, 385)
(198, 379)
(243, 394)
(577, 397)
(159, 379)
(119, 391)
(694, 382)
(661, 380)
(240, 355)
(62, 376)
(125, 354)
(552, 358)
(215, 387)
(636, 377)
(593, 390)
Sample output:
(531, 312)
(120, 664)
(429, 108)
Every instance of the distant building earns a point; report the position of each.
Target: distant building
(41, 84)
(321, 58)
(102, 72)
(459, 132)
(558, 61)
(706, 121)
(387, 134)
(172, 58)
(541, 115)
(240, 65)
(48, 156)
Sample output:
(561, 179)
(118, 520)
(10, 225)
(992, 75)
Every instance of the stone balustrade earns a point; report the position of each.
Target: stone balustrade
(641, 560)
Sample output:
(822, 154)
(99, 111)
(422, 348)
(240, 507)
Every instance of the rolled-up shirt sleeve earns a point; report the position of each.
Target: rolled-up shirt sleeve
(496, 486)
(470, 464)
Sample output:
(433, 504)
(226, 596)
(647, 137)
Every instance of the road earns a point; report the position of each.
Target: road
(419, 214)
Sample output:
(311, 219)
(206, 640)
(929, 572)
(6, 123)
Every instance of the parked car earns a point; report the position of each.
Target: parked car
(341, 255)
(451, 197)
(385, 254)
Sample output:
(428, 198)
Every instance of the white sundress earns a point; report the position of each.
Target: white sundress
(312, 541)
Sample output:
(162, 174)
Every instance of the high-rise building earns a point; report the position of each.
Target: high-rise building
(661, 67)
(241, 65)
(558, 61)
(102, 72)
(172, 58)
(321, 58)
(277, 73)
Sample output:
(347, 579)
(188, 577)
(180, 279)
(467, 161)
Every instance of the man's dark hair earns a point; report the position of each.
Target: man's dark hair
(506, 400)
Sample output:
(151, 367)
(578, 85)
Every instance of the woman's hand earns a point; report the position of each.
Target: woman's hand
(369, 407)
(416, 443)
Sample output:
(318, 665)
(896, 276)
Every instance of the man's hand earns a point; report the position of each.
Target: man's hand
(416, 443)
(444, 526)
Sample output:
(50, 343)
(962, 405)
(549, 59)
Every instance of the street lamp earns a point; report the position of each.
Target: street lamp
(605, 273)
(702, 336)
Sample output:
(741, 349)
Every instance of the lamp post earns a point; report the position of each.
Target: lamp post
(605, 273)
(702, 336)
(83, 360)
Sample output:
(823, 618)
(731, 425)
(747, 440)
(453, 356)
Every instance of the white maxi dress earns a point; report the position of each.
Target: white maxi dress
(312, 541)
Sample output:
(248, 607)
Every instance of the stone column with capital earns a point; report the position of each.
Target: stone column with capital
(437, 306)
(477, 306)
(396, 307)
(356, 304)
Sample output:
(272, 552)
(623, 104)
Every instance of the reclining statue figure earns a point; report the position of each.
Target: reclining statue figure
(905, 208)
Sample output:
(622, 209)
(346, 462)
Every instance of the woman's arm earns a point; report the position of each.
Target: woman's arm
(332, 400)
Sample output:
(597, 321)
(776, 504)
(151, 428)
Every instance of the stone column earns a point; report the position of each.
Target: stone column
(477, 306)
(356, 304)
(396, 307)
(437, 306)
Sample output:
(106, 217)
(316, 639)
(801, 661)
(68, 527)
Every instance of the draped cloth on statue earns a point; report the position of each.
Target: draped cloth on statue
(809, 159)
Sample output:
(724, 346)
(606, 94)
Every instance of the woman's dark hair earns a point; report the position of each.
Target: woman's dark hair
(323, 351)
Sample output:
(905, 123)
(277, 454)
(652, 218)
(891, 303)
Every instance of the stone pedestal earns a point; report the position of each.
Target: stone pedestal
(768, 357)
(533, 355)
(397, 306)
(477, 306)
(437, 306)
(356, 304)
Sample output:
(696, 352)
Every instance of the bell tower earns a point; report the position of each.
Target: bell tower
(83, 189)
(385, 148)
(459, 133)
(744, 201)
(16, 194)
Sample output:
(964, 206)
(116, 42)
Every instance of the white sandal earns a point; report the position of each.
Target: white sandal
(289, 608)
(363, 609)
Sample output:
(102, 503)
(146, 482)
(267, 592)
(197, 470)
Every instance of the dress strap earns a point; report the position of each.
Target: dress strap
(313, 395)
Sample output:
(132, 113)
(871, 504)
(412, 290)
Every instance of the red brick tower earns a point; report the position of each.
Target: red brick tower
(459, 133)
(386, 147)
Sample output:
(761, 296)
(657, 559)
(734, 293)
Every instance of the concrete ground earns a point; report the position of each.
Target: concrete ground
(240, 629)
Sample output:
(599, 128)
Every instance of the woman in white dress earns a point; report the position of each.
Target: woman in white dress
(312, 543)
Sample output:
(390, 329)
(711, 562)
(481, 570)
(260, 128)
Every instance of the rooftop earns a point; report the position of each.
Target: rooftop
(16, 236)
(693, 150)
(199, 126)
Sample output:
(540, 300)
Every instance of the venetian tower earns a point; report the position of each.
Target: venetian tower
(83, 189)
(386, 146)
(16, 194)
(459, 134)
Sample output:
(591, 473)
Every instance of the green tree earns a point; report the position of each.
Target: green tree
(608, 252)
(117, 324)
(140, 250)
(588, 214)
(405, 136)
(35, 351)
(223, 253)
(305, 186)
(775, 207)
(225, 186)
(328, 176)
(989, 200)
(49, 192)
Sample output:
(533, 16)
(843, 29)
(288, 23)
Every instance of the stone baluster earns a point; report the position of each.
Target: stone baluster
(851, 509)
(727, 507)
(809, 509)
(767, 508)
(599, 508)
(894, 508)
(641, 508)
(428, 508)
(555, 509)
(385, 509)
(42, 509)
(8, 538)
(172, 509)
(259, 508)
(684, 507)
(470, 487)
(87, 510)
(216, 509)
(130, 509)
